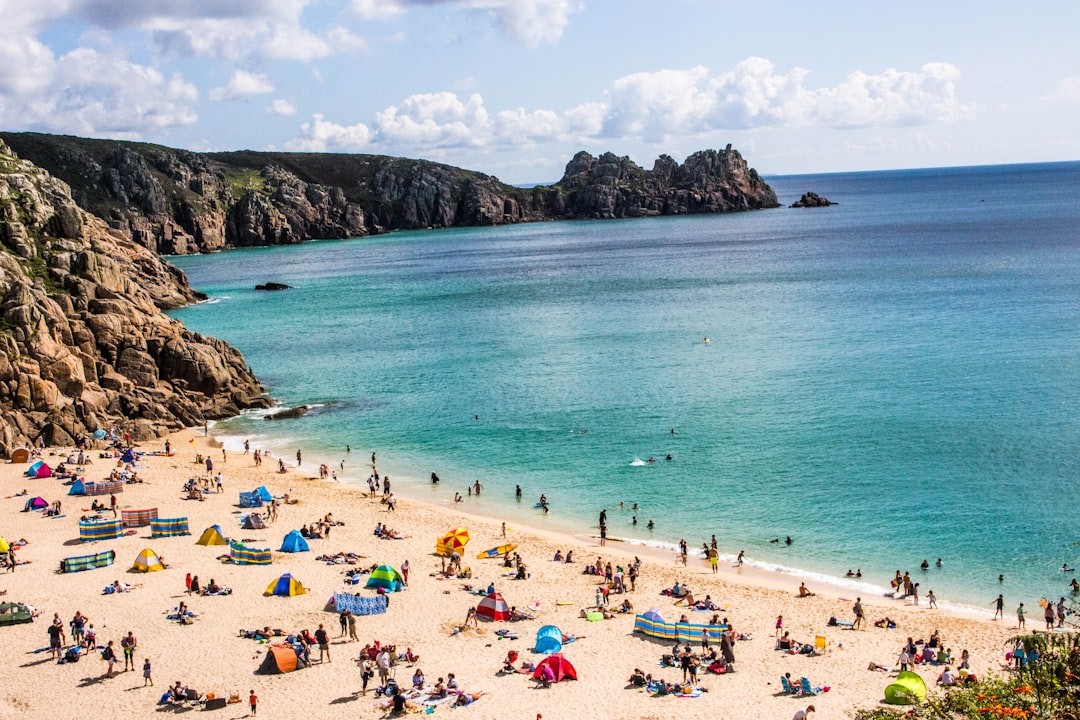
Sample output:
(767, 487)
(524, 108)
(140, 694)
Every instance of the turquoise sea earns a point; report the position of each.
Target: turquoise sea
(890, 379)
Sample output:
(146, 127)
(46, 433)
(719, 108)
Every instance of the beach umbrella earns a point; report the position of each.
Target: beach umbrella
(99, 434)
(453, 541)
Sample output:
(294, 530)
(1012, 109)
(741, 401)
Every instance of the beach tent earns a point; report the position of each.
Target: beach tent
(128, 456)
(20, 455)
(286, 586)
(138, 518)
(212, 536)
(652, 623)
(548, 640)
(907, 689)
(493, 607)
(279, 659)
(37, 503)
(39, 470)
(263, 494)
(5, 546)
(250, 500)
(451, 542)
(240, 554)
(560, 667)
(105, 530)
(169, 527)
(87, 562)
(147, 561)
(385, 578)
(294, 542)
(13, 613)
(254, 522)
(77, 488)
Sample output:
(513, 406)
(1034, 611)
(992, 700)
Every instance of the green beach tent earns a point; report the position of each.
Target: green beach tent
(907, 689)
(386, 578)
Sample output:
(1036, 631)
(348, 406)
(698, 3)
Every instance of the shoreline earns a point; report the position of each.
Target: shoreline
(769, 574)
(423, 617)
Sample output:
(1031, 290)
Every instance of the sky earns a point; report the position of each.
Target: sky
(514, 88)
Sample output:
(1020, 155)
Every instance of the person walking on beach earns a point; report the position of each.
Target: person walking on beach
(146, 674)
(405, 570)
(858, 610)
(1048, 615)
(323, 638)
(999, 607)
(1020, 616)
(299, 458)
(109, 656)
(739, 561)
(931, 599)
(779, 625)
(253, 701)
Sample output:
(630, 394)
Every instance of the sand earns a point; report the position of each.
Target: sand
(210, 656)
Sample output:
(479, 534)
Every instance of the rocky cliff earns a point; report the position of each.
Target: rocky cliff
(176, 202)
(83, 339)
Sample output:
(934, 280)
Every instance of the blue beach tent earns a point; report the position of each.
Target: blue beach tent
(548, 640)
(294, 542)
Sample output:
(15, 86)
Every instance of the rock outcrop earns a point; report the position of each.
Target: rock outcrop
(811, 200)
(177, 202)
(83, 340)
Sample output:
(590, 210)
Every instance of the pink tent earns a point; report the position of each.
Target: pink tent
(561, 669)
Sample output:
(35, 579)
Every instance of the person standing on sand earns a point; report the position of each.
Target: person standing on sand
(1020, 616)
(146, 674)
(779, 625)
(858, 610)
(1048, 615)
(999, 607)
(323, 638)
(109, 656)
(128, 644)
(253, 701)
(299, 458)
(405, 570)
(714, 560)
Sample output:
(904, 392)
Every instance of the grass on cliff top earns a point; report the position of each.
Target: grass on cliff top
(244, 180)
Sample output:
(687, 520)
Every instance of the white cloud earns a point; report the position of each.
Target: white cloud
(531, 22)
(1068, 88)
(280, 106)
(322, 136)
(242, 84)
(660, 105)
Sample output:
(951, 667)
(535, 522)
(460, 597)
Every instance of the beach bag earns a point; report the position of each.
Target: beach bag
(72, 655)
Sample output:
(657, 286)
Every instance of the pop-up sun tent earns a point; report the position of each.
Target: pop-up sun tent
(211, 536)
(77, 488)
(5, 546)
(37, 503)
(452, 542)
(907, 689)
(385, 578)
(254, 522)
(12, 613)
(39, 470)
(548, 640)
(560, 668)
(128, 456)
(286, 586)
(279, 659)
(294, 542)
(263, 493)
(147, 561)
(493, 607)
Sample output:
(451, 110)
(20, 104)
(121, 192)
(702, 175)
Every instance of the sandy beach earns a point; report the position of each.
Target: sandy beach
(211, 656)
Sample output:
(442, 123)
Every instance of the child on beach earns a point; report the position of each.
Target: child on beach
(253, 700)
(147, 680)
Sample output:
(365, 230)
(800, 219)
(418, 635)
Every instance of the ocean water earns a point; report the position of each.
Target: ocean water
(892, 379)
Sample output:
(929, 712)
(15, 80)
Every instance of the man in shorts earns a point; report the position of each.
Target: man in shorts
(323, 638)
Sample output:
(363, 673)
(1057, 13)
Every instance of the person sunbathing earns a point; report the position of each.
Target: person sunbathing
(465, 698)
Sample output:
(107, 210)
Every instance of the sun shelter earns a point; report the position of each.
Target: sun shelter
(452, 542)
(263, 494)
(240, 554)
(128, 456)
(104, 530)
(253, 522)
(250, 500)
(907, 689)
(358, 605)
(493, 607)
(285, 586)
(14, 613)
(560, 668)
(294, 542)
(548, 640)
(20, 455)
(87, 562)
(77, 488)
(37, 503)
(211, 536)
(39, 470)
(279, 659)
(147, 561)
(652, 623)
(385, 578)
(169, 527)
(138, 518)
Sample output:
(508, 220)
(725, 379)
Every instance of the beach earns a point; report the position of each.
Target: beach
(210, 655)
